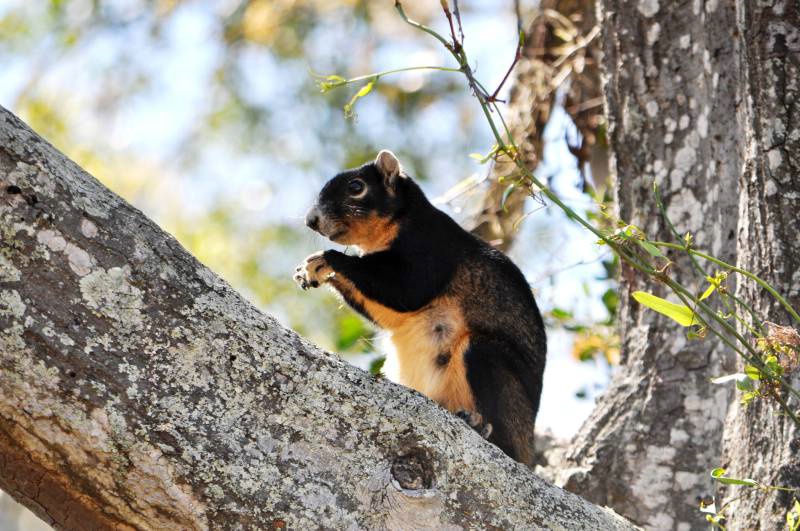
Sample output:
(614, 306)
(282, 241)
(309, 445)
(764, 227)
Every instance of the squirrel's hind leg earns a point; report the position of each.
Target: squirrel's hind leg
(496, 377)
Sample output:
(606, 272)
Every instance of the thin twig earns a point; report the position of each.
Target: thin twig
(457, 13)
(446, 9)
(517, 57)
(461, 188)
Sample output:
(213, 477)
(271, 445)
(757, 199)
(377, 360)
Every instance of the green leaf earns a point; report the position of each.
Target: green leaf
(708, 292)
(719, 475)
(377, 365)
(772, 364)
(680, 313)
(748, 397)
(561, 314)
(351, 329)
(793, 517)
(483, 159)
(752, 372)
(623, 232)
(611, 301)
(650, 248)
(715, 282)
(366, 89)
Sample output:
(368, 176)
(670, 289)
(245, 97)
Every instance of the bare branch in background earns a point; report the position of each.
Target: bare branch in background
(560, 44)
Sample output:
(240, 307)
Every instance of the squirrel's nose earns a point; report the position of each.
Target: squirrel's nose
(312, 219)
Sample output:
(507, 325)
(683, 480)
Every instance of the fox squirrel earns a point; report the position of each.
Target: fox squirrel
(464, 323)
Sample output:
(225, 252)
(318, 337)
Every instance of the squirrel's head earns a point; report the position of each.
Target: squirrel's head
(360, 206)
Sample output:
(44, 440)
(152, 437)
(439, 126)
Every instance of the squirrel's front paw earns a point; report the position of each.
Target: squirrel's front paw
(476, 422)
(313, 271)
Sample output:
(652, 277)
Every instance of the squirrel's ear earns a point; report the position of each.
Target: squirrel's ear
(388, 166)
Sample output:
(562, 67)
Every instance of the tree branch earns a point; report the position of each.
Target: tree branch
(533, 94)
(137, 389)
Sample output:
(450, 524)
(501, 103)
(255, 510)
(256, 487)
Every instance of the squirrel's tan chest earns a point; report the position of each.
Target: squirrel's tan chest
(428, 355)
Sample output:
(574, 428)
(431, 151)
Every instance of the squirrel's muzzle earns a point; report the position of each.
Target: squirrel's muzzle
(319, 221)
(312, 219)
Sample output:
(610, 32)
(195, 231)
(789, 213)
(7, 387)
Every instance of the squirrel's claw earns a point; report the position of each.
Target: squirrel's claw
(312, 272)
(475, 421)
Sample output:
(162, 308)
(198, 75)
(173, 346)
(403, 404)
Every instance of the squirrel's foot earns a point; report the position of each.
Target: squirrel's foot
(313, 271)
(475, 421)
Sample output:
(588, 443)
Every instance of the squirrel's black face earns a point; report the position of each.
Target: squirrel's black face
(360, 206)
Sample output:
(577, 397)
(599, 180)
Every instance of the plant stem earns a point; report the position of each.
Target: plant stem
(746, 273)
(399, 7)
(387, 72)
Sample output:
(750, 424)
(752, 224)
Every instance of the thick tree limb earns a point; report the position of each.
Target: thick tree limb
(138, 390)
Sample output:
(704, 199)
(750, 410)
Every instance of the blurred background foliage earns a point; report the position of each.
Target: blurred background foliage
(206, 116)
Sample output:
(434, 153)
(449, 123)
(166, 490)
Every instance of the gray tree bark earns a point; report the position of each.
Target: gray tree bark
(671, 98)
(139, 391)
(760, 442)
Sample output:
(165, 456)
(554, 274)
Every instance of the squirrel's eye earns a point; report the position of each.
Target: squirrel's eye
(356, 186)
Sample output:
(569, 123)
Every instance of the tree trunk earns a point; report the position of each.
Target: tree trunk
(670, 93)
(139, 391)
(760, 442)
